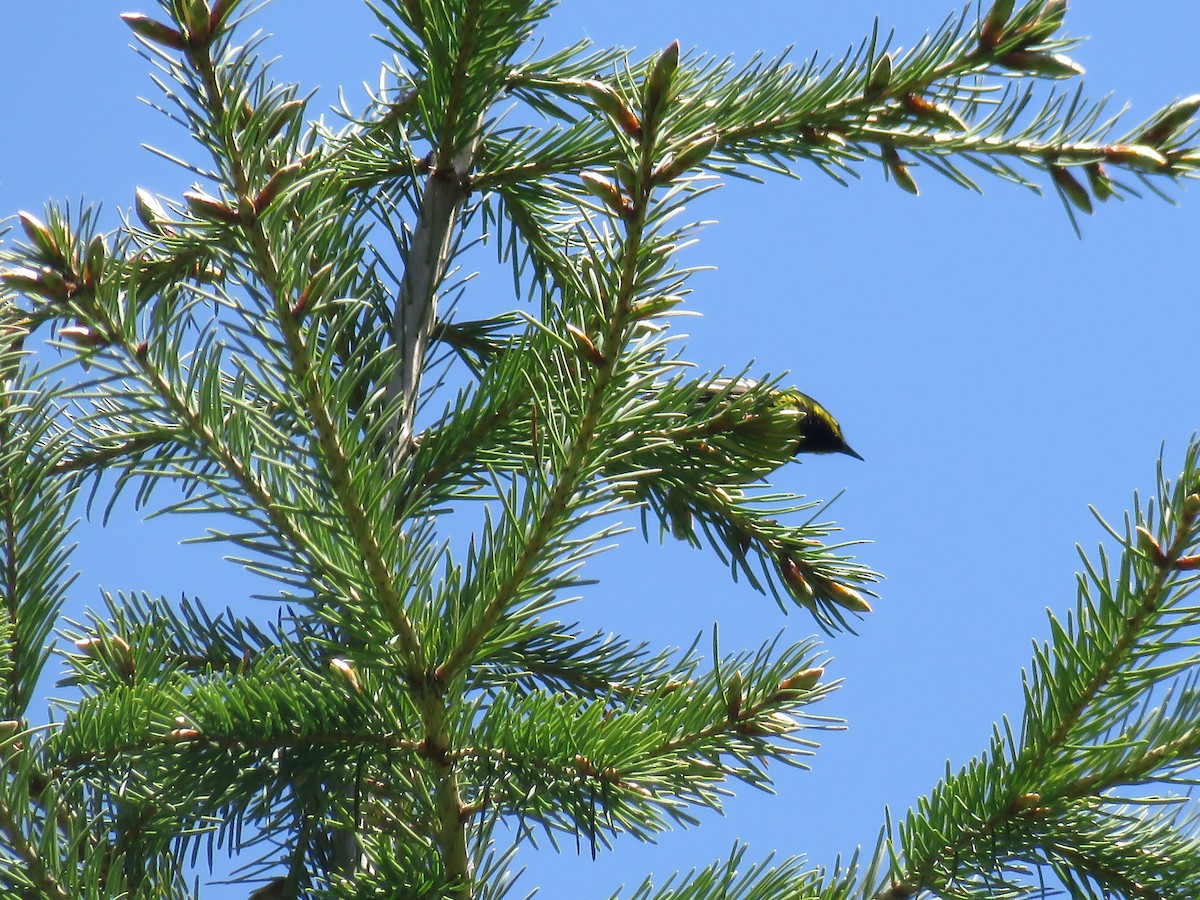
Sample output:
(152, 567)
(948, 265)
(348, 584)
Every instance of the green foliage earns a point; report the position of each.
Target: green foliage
(269, 344)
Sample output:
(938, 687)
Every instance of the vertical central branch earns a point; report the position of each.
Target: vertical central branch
(416, 304)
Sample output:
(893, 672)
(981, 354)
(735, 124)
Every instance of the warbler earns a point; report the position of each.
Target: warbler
(818, 431)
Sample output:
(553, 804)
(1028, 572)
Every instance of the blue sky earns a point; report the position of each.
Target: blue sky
(997, 374)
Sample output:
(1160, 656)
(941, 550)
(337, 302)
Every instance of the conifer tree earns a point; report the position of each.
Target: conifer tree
(271, 346)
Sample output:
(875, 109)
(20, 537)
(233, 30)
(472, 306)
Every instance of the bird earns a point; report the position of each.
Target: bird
(818, 431)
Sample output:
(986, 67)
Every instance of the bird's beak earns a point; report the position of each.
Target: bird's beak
(850, 451)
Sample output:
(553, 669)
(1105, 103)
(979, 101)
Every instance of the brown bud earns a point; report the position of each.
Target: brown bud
(1171, 122)
(658, 85)
(1187, 563)
(315, 283)
(1050, 65)
(606, 192)
(346, 670)
(822, 136)
(1072, 189)
(150, 211)
(585, 347)
(153, 31)
(846, 597)
(93, 263)
(1136, 156)
(797, 584)
(220, 12)
(198, 19)
(936, 114)
(181, 735)
(27, 281)
(41, 237)
(281, 116)
(613, 105)
(672, 686)
(211, 208)
(1149, 546)
(992, 30)
(111, 647)
(802, 682)
(687, 158)
(85, 338)
(898, 169)
(1026, 801)
(583, 765)
(9, 728)
(283, 178)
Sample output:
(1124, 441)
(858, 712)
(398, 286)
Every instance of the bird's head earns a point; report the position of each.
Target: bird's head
(819, 430)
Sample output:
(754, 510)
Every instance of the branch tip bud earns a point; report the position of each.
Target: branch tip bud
(208, 207)
(41, 237)
(153, 31)
(991, 32)
(586, 349)
(880, 76)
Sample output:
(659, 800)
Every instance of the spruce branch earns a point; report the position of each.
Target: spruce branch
(334, 455)
(1089, 730)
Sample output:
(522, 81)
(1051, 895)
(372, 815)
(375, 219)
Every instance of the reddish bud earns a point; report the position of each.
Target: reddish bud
(935, 114)
(658, 85)
(613, 105)
(282, 179)
(606, 192)
(1136, 156)
(41, 237)
(346, 670)
(992, 30)
(220, 13)
(211, 208)
(153, 31)
(87, 339)
(93, 263)
(110, 647)
(27, 281)
(586, 348)
(1171, 122)
(687, 158)
(898, 170)
(198, 19)
(1149, 546)
(1049, 65)
(802, 682)
(281, 116)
